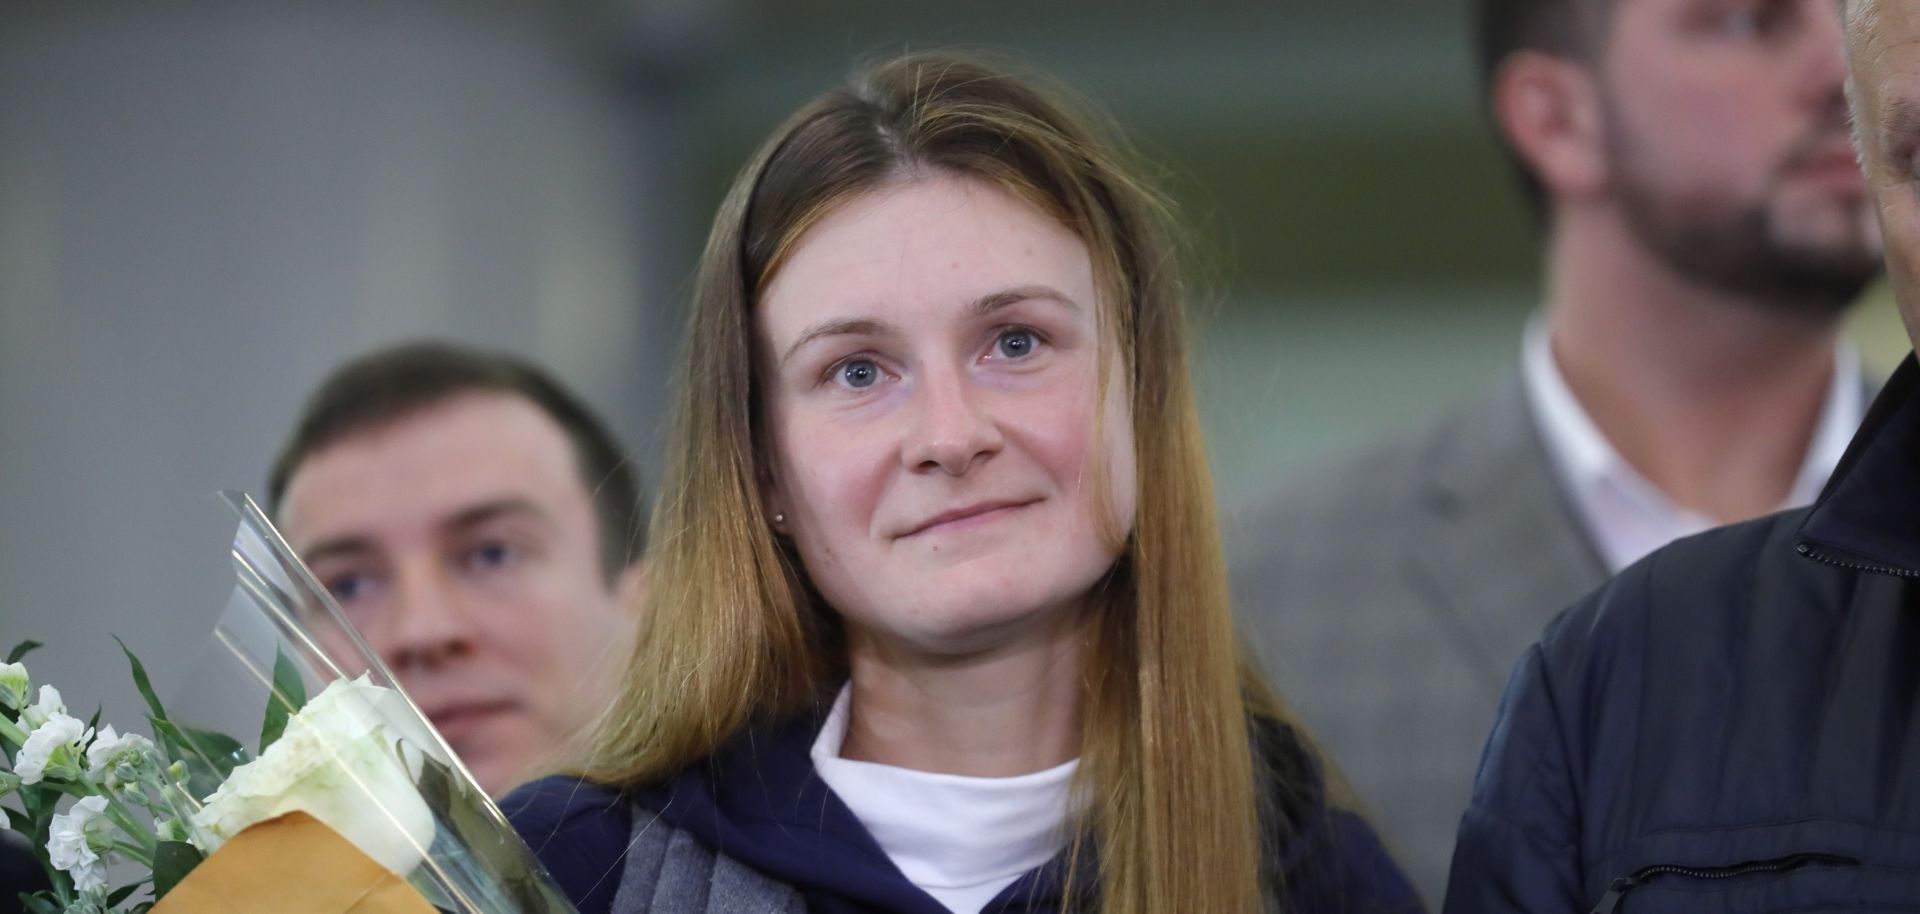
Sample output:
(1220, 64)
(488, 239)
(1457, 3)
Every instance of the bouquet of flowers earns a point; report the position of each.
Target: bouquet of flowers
(344, 802)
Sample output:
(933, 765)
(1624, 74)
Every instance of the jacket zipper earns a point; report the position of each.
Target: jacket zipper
(1625, 884)
(1828, 558)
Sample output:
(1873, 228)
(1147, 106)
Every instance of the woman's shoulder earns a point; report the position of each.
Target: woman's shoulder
(1344, 867)
(1327, 856)
(579, 831)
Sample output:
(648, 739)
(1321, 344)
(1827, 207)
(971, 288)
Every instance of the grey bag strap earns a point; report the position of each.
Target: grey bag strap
(667, 871)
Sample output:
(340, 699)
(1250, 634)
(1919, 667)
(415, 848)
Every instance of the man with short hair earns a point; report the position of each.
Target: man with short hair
(481, 528)
(1704, 229)
(1733, 724)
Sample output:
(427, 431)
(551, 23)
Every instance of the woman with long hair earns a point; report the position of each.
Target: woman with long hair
(938, 618)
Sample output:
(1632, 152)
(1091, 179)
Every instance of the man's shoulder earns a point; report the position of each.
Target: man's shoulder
(1700, 590)
(1375, 484)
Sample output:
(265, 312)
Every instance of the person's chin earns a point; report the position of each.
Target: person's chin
(1821, 221)
(495, 750)
(981, 621)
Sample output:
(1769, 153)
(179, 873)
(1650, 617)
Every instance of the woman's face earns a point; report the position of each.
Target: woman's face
(931, 357)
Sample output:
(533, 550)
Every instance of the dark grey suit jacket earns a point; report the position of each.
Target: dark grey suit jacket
(1389, 593)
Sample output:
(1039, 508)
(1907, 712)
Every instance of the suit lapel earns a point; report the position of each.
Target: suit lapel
(1499, 547)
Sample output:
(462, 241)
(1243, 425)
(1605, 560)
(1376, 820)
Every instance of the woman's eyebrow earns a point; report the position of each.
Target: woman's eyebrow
(858, 326)
(987, 304)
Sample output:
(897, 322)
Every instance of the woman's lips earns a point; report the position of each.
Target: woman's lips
(966, 518)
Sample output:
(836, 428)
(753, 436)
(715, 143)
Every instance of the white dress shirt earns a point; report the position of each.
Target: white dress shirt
(1626, 515)
(960, 839)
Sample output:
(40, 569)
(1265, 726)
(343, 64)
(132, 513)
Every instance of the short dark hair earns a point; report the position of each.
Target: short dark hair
(390, 384)
(1562, 28)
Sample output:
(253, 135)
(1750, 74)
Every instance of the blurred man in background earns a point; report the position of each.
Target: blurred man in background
(1730, 725)
(1705, 227)
(482, 529)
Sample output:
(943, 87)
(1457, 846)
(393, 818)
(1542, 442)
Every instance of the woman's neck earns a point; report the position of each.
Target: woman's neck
(1010, 710)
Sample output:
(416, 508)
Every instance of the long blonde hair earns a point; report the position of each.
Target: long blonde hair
(1168, 786)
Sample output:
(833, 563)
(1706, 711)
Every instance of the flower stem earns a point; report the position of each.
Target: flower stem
(144, 856)
(122, 815)
(12, 732)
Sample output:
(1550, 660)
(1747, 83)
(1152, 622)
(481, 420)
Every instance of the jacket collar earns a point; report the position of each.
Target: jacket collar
(759, 801)
(1868, 517)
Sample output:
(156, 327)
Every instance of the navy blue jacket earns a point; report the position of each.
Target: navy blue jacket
(760, 802)
(1731, 724)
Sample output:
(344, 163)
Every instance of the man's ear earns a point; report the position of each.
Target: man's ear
(1550, 112)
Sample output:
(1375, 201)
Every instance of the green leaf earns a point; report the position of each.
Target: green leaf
(173, 743)
(222, 750)
(39, 903)
(209, 756)
(289, 696)
(495, 850)
(22, 649)
(141, 682)
(39, 800)
(172, 861)
(436, 783)
(120, 894)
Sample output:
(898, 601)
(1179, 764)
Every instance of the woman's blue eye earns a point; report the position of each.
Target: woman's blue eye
(1016, 344)
(860, 373)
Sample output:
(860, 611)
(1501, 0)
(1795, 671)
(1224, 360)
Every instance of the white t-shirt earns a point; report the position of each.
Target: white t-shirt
(1626, 515)
(960, 839)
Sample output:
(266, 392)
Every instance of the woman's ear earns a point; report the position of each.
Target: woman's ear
(773, 500)
(1549, 109)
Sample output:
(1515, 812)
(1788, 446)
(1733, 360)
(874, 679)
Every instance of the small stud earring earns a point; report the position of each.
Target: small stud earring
(779, 518)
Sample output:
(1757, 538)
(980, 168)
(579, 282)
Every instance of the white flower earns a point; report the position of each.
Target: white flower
(44, 709)
(69, 849)
(14, 685)
(337, 761)
(112, 757)
(166, 828)
(53, 748)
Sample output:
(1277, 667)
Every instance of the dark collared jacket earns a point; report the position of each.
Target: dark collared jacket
(1730, 725)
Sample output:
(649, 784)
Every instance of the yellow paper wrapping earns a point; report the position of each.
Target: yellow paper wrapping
(293, 864)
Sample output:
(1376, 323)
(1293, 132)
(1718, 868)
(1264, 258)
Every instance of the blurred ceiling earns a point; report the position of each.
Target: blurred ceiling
(1311, 145)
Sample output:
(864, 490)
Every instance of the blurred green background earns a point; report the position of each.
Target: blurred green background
(1362, 252)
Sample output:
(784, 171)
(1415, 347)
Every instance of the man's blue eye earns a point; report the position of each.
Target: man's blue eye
(1016, 344)
(1741, 23)
(1756, 21)
(860, 373)
(491, 555)
(347, 588)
